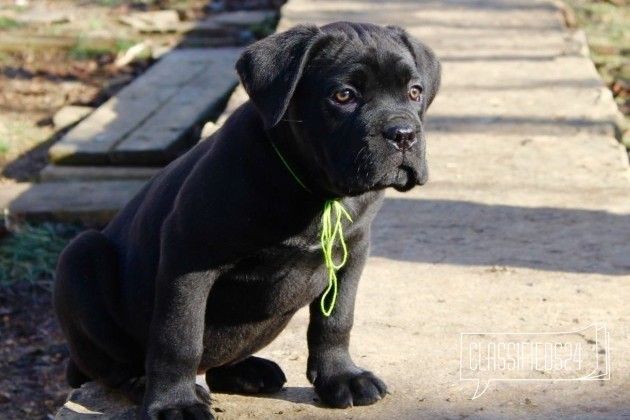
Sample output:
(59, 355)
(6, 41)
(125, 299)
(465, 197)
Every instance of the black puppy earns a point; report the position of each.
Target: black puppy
(208, 263)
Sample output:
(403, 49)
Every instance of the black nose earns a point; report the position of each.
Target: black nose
(402, 136)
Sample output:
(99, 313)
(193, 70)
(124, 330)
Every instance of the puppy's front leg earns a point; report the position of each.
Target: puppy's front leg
(337, 380)
(175, 348)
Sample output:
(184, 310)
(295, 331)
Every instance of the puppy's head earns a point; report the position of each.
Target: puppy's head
(354, 96)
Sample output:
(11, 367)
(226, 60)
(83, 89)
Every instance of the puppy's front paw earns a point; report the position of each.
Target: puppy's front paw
(194, 411)
(346, 390)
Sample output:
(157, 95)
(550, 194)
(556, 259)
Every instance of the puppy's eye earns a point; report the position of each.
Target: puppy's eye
(344, 96)
(414, 93)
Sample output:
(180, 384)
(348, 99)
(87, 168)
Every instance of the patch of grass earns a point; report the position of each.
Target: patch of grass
(116, 3)
(606, 26)
(18, 136)
(180, 5)
(96, 23)
(4, 147)
(110, 3)
(29, 252)
(607, 30)
(8, 23)
(124, 44)
(84, 52)
(4, 58)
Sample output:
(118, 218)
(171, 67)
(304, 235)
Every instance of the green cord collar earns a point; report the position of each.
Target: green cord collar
(332, 231)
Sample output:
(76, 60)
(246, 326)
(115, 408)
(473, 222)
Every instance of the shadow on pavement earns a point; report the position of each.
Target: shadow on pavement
(293, 394)
(466, 233)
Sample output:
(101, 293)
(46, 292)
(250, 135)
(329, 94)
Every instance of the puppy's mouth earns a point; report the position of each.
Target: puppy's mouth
(408, 176)
(405, 169)
(401, 170)
(402, 177)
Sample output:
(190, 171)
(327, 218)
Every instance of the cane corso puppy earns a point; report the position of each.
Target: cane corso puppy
(209, 262)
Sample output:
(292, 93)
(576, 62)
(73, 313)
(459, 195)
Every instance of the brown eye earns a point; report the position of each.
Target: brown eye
(414, 93)
(344, 96)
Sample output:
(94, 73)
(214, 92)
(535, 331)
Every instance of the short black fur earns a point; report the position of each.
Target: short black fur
(209, 262)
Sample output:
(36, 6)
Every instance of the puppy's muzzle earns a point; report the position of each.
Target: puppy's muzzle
(402, 136)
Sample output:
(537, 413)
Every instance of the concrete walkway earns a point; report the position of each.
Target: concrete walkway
(523, 228)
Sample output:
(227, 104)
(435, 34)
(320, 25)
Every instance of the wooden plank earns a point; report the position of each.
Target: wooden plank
(244, 18)
(176, 124)
(93, 140)
(56, 173)
(95, 202)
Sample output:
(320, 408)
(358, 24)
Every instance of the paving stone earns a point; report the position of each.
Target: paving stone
(567, 110)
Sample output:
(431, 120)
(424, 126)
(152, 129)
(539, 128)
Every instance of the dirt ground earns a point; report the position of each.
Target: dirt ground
(32, 356)
(35, 83)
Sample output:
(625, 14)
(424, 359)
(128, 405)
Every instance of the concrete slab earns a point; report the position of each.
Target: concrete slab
(559, 96)
(528, 170)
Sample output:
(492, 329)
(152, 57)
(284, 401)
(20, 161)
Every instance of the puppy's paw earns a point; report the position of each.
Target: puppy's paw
(134, 389)
(194, 411)
(253, 375)
(348, 389)
(203, 395)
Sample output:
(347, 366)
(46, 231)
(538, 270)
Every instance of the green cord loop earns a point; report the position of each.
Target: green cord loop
(332, 231)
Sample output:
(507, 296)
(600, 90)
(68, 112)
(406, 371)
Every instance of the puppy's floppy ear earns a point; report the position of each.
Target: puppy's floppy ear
(426, 61)
(270, 69)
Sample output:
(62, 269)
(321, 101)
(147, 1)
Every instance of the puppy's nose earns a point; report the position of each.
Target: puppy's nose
(401, 136)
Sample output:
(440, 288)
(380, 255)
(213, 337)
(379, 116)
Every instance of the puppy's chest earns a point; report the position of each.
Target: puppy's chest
(278, 279)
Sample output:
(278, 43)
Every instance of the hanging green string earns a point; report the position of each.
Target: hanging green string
(286, 165)
(332, 231)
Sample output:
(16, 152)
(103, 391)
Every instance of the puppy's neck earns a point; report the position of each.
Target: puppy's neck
(284, 142)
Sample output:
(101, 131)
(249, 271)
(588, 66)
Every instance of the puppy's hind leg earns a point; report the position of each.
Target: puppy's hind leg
(74, 375)
(86, 289)
(253, 375)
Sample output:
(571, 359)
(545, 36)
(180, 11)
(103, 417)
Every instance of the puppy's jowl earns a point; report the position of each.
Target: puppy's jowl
(209, 262)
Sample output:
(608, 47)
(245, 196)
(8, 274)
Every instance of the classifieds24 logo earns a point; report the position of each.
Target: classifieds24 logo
(579, 355)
